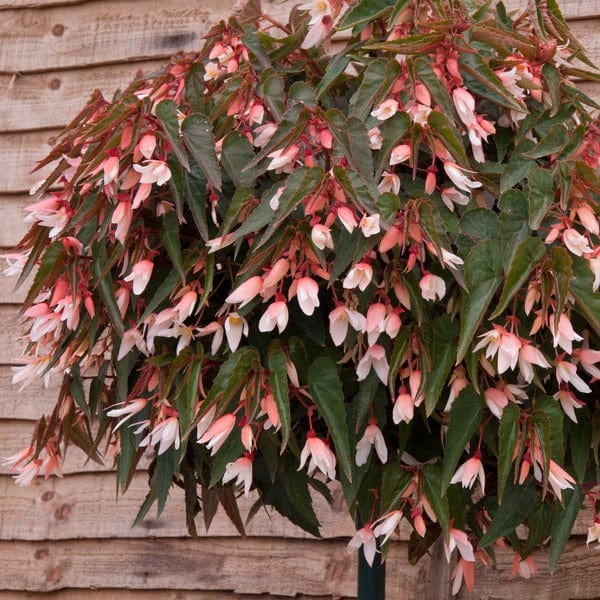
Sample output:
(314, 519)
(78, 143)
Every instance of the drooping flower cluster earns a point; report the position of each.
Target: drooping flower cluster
(273, 265)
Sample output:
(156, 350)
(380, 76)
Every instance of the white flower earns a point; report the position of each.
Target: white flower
(374, 357)
(235, 327)
(432, 287)
(369, 225)
(366, 538)
(339, 318)
(458, 177)
(307, 292)
(371, 437)
(241, 471)
(387, 109)
(321, 237)
(360, 275)
(276, 315)
(575, 242)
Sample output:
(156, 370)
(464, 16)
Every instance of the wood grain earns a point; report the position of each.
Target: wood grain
(53, 98)
(116, 594)
(258, 566)
(12, 227)
(10, 333)
(108, 31)
(27, 404)
(85, 506)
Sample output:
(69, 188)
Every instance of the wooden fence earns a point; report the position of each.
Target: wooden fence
(71, 538)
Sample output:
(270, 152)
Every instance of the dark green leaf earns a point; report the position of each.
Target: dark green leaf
(527, 255)
(562, 273)
(166, 111)
(170, 236)
(198, 137)
(586, 300)
(326, 391)
(335, 67)
(517, 503)
(580, 442)
(513, 224)
(514, 172)
(437, 497)
(562, 524)
(105, 286)
(392, 131)
(366, 11)
(444, 130)
(166, 468)
(480, 224)
(410, 44)
(552, 143)
(236, 153)
(482, 270)
(432, 82)
(540, 197)
(398, 351)
(465, 417)
(394, 482)
(279, 387)
(507, 440)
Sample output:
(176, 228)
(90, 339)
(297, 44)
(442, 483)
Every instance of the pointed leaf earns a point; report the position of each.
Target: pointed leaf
(366, 11)
(326, 391)
(586, 300)
(507, 440)
(562, 524)
(279, 387)
(465, 417)
(166, 111)
(170, 236)
(482, 276)
(552, 143)
(540, 197)
(445, 131)
(198, 137)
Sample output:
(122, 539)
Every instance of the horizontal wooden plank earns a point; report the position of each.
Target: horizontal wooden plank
(8, 293)
(28, 404)
(571, 9)
(52, 99)
(575, 578)
(11, 344)
(85, 506)
(5, 4)
(12, 215)
(258, 566)
(108, 31)
(116, 594)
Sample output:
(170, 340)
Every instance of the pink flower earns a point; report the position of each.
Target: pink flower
(374, 357)
(371, 437)
(375, 139)
(594, 264)
(132, 337)
(166, 434)
(588, 218)
(524, 568)
(122, 217)
(566, 372)
(388, 524)
(400, 154)
(218, 331)
(147, 145)
(502, 342)
(375, 321)
(276, 315)
(317, 9)
(235, 327)
(140, 275)
(575, 242)
(588, 359)
(530, 355)
(569, 403)
(321, 456)
(218, 432)
(459, 539)
(307, 293)
(365, 538)
(321, 237)
(404, 408)
(564, 335)
(451, 196)
(593, 534)
(432, 287)
(469, 471)
(127, 410)
(154, 171)
(269, 407)
(369, 225)
(360, 275)
(464, 571)
(283, 160)
(390, 182)
(458, 177)
(387, 109)
(241, 471)
(339, 319)
(347, 218)
(246, 292)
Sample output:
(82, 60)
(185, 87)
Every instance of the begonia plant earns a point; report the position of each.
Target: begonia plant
(362, 246)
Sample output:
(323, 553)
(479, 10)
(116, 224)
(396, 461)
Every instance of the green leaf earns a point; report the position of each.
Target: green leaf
(377, 79)
(171, 236)
(162, 293)
(335, 67)
(507, 440)
(432, 82)
(514, 172)
(574, 142)
(188, 396)
(410, 44)
(388, 205)
(562, 524)
(195, 197)
(552, 77)
(482, 81)
(237, 151)
(361, 190)
(562, 273)
(552, 143)
(366, 11)
(465, 417)
(279, 387)
(394, 482)
(166, 467)
(272, 90)
(398, 351)
(230, 451)
(586, 300)
(540, 197)
(517, 503)
(351, 135)
(437, 497)
(513, 224)
(442, 346)
(326, 391)
(105, 286)
(303, 93)
(480, 224)
(552, 410)
(482, 270)
(166, 111)
(580, 442)
(197, 134)
(299, 185)
(527, 255)
(444, 129)
(392, 130)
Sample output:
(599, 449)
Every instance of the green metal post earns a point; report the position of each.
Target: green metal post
(371, 579)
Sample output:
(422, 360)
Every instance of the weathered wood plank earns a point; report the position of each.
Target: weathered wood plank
(5, 4)
(10, 334)
(85, 506)
(108, 31)
(19, 153)
(52, 99)
(258, 566)
(575, 577)
(8, 293)
(12, 213)
(27, 404)
(115, 594)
